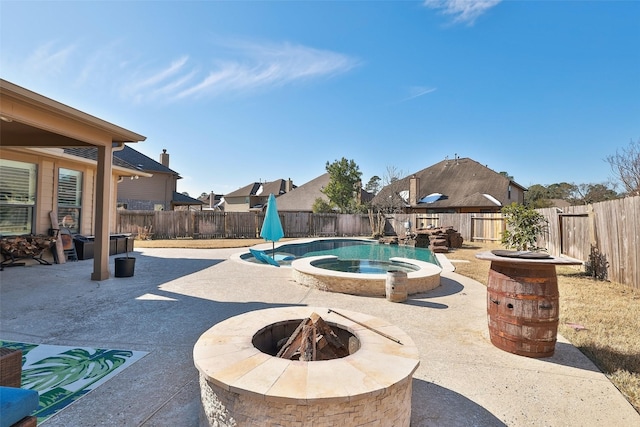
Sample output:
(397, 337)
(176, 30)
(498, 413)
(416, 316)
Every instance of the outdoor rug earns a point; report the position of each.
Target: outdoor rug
(63, 374)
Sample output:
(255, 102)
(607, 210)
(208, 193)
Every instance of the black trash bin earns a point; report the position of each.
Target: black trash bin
(125, 266)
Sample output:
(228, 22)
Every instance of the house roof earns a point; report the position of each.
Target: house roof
(215, 203)
(142, 162)
(91, 153)
(178, 199)
(127, 158)
(462, 182)
(302, 198)
(276, 187)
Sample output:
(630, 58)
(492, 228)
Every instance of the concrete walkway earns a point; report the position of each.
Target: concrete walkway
(177, 294)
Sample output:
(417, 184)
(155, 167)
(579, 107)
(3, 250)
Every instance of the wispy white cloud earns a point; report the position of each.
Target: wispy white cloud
(175, 68)
(462, 10)
(418, 91)
(237, 67)
(97, 67)
(49, 58)
(260, 66)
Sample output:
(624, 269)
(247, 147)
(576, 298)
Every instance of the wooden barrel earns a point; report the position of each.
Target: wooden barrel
(396, 286)
(523, 308)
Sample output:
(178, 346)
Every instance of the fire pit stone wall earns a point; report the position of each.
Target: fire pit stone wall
(242, 386)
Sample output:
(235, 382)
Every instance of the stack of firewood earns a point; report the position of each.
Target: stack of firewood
(312, 340)
(25, 246)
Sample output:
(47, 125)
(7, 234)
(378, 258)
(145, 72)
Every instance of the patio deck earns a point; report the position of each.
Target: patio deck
(177, 294)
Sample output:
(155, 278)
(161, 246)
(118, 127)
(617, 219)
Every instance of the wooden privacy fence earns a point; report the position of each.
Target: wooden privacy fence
(612, 226)
(473, 227)
(214, 225)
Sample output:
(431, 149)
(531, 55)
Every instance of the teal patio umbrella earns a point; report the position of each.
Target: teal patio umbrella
(271, 227)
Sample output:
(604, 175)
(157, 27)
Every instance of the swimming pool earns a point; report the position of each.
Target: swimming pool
(345, 249)
(308, 257)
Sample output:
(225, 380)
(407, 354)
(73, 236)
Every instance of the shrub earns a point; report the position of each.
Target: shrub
(597, 265)
(524, 225)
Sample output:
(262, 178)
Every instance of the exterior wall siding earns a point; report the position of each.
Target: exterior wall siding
(46, 189)
(147, 192)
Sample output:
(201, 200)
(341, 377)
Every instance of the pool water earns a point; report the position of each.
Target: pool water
(349, 249)
(363, 266)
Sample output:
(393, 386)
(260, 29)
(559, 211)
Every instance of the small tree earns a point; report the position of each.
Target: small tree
(390, 199)
(524, 225)
(322, 206)
(344, 184)
(625, 164)
(373, 186)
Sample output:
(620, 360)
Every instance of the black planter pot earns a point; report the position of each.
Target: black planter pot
(125, 266)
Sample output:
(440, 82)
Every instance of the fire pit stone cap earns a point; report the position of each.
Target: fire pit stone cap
(225, 356)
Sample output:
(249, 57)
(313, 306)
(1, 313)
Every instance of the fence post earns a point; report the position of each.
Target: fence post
(592, 225)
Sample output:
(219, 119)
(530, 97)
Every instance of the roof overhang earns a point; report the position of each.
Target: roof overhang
(29, 119)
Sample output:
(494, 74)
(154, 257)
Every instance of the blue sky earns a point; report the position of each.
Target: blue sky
(244, 91)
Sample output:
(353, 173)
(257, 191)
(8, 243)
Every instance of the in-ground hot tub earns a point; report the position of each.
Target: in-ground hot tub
(421, 277)
(245, 386)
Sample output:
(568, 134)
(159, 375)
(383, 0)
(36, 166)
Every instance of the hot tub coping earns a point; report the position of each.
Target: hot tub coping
(364, 284)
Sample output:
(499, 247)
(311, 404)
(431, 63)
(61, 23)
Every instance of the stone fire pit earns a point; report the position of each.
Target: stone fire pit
(246, 386)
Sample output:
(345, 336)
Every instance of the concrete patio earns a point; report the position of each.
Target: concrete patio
(177, 294)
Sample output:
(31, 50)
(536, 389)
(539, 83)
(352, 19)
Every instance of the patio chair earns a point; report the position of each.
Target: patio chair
(16, 404)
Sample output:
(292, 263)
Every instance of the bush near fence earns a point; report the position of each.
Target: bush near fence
(612, 226)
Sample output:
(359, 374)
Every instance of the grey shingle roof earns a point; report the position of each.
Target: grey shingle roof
(302, 198)
(91, 153)
(276, 187)
(127, 158)
(181, 199)
(463, 182)
(141, 161)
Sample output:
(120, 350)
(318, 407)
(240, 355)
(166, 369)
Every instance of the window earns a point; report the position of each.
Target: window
(17, 197)
(69, 199)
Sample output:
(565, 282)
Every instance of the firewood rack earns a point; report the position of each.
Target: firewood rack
(32, 246)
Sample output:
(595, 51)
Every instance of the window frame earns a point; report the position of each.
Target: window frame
(69, 198)
(26, 201)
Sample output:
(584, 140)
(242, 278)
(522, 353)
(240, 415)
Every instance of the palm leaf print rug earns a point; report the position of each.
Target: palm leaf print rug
(63, 374)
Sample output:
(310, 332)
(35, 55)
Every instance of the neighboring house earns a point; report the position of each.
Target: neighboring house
(253, 197)
(153, 185)
(155, 193)
(460, 185)
(212, 202)
(302, 198)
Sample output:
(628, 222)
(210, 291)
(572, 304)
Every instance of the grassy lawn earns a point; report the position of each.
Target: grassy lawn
(599, 318)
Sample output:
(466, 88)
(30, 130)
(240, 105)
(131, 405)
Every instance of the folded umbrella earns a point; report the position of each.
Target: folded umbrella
(272, 227)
